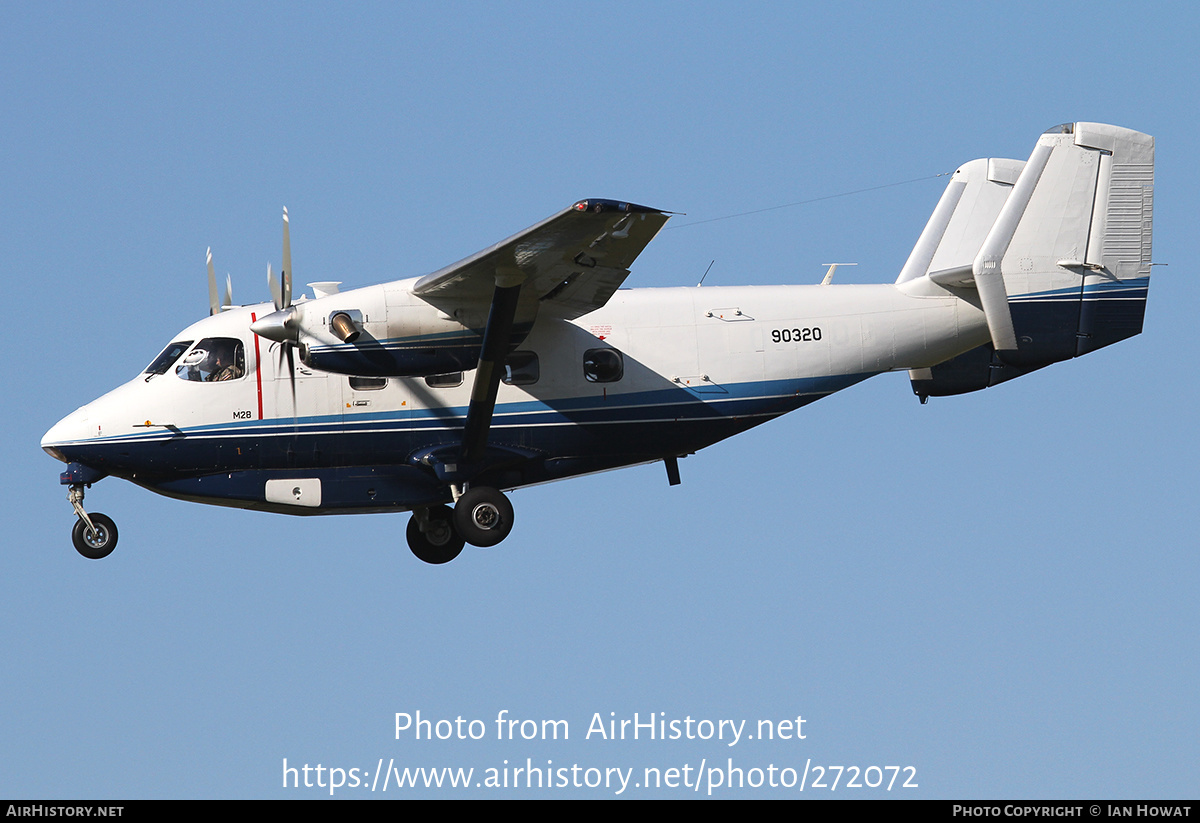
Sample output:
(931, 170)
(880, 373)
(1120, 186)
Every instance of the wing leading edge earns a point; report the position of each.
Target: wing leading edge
(572, 262)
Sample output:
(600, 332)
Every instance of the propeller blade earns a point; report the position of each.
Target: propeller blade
(228, 291)
(214, 305)
(291, 377)
(273, 285)
(286, 274)
(285, 353)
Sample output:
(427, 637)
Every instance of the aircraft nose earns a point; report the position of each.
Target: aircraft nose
(72, 428)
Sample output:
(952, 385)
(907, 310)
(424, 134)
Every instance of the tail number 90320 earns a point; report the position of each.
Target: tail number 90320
(796, 335)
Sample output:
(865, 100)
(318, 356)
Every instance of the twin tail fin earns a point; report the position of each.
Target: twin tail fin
(1056, 249)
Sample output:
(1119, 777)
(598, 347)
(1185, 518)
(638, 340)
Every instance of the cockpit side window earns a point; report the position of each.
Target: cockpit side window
(168, 357)
(215, 359)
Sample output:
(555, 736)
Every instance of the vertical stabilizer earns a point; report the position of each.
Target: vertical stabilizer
(960, 223)
(1066, 266)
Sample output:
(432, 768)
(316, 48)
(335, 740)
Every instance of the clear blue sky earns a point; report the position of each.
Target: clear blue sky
(997, 589)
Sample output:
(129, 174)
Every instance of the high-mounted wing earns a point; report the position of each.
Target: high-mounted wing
(572, 262)
(567, 265)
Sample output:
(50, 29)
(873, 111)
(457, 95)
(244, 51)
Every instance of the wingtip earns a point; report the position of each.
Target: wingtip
(600, 204)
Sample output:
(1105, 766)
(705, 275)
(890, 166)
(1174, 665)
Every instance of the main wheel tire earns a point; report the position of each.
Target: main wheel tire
(439, 543)
(95, 545)
(483, 516)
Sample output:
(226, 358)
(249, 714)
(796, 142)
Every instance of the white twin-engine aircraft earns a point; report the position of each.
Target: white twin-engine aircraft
(525, 363)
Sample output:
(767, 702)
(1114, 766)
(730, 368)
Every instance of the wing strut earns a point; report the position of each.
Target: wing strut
(496, 338)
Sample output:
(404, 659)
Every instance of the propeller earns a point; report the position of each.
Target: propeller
(283, 325)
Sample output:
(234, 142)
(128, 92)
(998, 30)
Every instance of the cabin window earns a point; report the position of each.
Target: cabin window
(168, 357)
(603, 365)
(521, 368)
(214, 360)
(368, 383)
(444, 381)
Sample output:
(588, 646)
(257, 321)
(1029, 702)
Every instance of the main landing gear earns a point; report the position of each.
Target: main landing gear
(482, 517)
(432, 537)
(94, 535)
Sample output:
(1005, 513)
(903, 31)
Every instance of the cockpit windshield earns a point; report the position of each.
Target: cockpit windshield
(214, 359)
(168, 357)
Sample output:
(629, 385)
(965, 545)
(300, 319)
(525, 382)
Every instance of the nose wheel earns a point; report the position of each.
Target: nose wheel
(94, 535)
(96, 541)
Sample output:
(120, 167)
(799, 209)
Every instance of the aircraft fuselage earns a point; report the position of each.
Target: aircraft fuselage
(693, 366)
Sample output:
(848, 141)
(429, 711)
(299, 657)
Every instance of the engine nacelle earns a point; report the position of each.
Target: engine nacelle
(385, 331)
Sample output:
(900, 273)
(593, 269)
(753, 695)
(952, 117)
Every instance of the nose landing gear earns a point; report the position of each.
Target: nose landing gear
(94, 535)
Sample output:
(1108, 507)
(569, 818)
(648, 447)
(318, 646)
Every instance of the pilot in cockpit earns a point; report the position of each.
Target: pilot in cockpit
(223, 363)
(213, 359)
